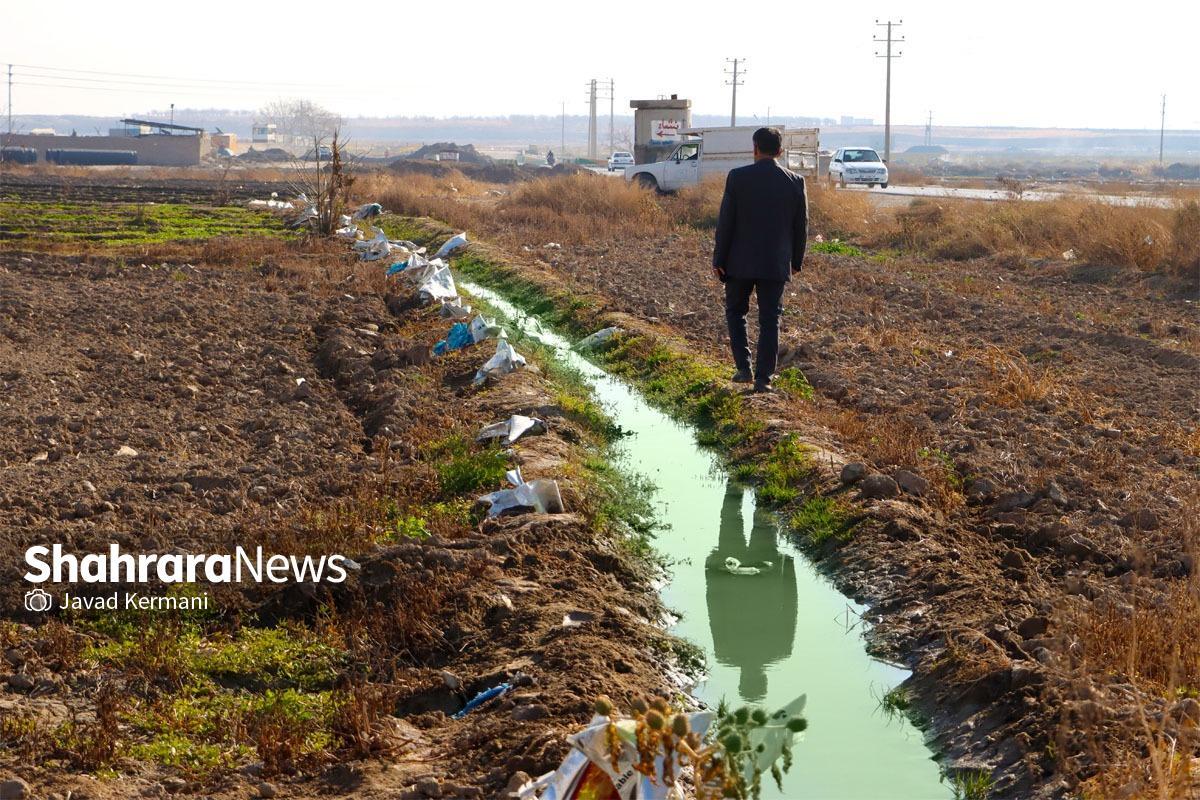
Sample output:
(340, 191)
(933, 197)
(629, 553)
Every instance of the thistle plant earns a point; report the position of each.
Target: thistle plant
(728, 762)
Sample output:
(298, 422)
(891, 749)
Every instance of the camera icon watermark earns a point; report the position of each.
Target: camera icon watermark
(38, 600)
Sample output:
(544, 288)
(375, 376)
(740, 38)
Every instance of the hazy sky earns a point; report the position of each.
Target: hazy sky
(1097, 64)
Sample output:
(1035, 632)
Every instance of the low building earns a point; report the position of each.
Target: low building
(263, 132)
(656, 126)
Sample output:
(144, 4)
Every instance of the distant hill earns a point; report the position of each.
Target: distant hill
(544, 130)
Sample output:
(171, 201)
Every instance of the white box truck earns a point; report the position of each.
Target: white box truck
(714, 151)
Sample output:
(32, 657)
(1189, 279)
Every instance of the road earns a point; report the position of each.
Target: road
(1001, 194)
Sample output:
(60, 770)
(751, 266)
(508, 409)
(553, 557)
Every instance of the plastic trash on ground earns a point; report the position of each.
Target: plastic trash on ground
(368, 211)
(598, 338)
(454, 309)
(505, 360)
(512, 429)
(539, 495)
(374, 248)
(459, 337)
(438, 286)
(483, 328)
(735, 567)
(588, 771)
(481, 698)
(453, 243)
(399, 266)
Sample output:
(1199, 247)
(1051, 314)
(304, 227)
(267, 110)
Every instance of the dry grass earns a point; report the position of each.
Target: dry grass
(1146, 642)
(582, 207)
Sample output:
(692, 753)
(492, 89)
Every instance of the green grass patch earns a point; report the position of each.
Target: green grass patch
(793, 382)
(784, 471)
(972, 785)
(822, 519)
(130, 223)
(835, 247)
(463, 467)
(622, 505)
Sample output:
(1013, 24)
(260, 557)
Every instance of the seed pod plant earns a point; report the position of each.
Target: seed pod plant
(729, 761)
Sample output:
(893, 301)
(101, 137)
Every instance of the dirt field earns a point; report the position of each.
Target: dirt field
(1031, 429)
(1018, 502)
(189, 407)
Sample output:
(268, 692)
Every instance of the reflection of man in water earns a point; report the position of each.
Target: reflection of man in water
(753, 617)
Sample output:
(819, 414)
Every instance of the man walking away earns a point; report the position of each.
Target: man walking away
(761, 235)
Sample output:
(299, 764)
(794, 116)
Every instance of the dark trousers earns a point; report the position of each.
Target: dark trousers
(770, 307)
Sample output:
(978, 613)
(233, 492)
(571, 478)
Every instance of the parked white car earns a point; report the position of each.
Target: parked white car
(620, 159)
(857, 165)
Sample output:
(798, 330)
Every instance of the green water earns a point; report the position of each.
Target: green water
(768, 637)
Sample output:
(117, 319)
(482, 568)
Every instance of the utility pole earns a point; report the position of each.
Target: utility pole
(172, 113)
(735, 82)
(592, 154)
(1162, 130)
(562, 146)
(10, 66)
(929, 130)
(612, 115)
(887, 108)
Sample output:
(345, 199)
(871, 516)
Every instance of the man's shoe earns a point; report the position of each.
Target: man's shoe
(742, 376)
(762, 387)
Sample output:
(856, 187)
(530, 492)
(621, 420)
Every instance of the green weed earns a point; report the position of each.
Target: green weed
(822, 519)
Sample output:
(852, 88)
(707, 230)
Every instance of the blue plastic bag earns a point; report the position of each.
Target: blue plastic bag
(399, 266)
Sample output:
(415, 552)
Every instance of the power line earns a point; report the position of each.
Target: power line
(887, 110)
(734, 82)
(1162, 130)
(169, 77)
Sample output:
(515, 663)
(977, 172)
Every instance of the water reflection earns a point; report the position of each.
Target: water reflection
(752, 617)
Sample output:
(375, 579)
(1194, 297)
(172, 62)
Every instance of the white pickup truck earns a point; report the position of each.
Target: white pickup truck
(714, 151)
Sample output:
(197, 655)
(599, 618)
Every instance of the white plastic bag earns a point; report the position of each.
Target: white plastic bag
(512, 429)
(539, 495)
(505, 360)
(438, 286)
(453, 243)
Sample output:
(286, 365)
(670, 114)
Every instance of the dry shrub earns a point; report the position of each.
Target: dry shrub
(93, 744)
(697, 206)
(447, 197)
(361, 715)
(839, 214)
(1122, 236)
(1141, 237)
(581, 206)
(1147, 641)
(1013, 383)
(1185, 234)
(889, 438)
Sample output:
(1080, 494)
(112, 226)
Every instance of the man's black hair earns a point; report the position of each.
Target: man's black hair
(769, 141)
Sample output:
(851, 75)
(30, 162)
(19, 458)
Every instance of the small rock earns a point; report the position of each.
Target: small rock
(125, 451)
(1187, 709)
(452, 681)
(1033, 627)
(911, 482)
(88, 487)
(1015, 559)
(429, 787)
(853, 472)
(267, 789)
(1014, 500)
(622, 666)
(530, 712)
(981, 490)
(1056, 495)
(174, 785)
(82, 509)
(516, 781)
(14, 789)
(20, 682)
(1143, 520)
(878, 486)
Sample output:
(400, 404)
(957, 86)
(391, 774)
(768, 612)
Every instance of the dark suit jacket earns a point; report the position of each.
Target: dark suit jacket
(763, 227)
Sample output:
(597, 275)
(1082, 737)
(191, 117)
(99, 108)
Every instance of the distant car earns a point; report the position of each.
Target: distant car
(620, 160)
(857, 165)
